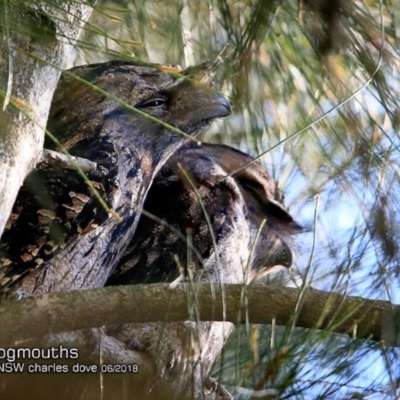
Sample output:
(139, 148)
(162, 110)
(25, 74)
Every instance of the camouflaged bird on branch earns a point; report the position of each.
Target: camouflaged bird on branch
(202, 224)
(59, 237)
(210, 225)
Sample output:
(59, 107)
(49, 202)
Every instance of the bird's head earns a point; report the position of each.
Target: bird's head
(270, 224)
(99, 99)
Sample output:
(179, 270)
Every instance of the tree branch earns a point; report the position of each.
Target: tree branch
(28, 80)
(50, 157)
(59, 312)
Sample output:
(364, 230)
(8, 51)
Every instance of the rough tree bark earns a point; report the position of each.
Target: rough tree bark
(37, 37)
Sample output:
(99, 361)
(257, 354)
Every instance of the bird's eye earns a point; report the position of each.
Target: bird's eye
(153, 103)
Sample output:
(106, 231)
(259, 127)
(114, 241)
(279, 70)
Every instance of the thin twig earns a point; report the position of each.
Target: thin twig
(66, 161)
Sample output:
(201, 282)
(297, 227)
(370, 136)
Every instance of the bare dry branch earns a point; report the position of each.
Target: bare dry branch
(50, 157)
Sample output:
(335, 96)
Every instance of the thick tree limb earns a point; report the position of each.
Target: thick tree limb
(37, 37)
(59, 312)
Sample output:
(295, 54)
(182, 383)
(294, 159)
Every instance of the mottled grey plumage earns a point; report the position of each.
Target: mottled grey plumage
(196, 177)
(59, 237)
(193, 178)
